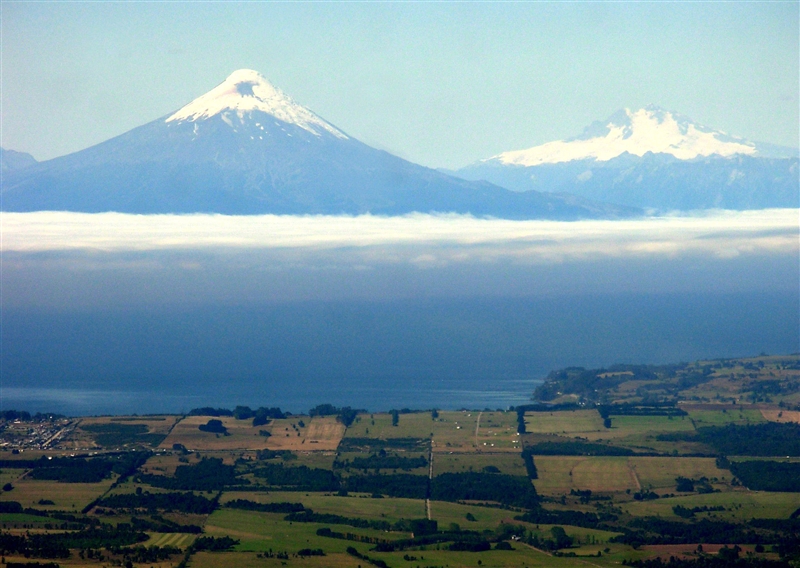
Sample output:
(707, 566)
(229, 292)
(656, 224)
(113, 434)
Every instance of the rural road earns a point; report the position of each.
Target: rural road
(477, 427)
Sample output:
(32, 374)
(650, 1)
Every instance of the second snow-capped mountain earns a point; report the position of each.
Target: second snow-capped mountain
(245, 147)
(652, 158)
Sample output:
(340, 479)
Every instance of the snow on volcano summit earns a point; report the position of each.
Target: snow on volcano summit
(650, 129)
(245, 91)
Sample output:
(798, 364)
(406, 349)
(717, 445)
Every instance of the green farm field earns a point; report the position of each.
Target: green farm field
(739, 505)
(451, 431)
(560, 474)
(609, 474)
(179, 540)
(379, 425)
(660, 472)
(261, 532)
(508, 463)
(573, 422)
(65, 496)
(360, 506)
(725, 416)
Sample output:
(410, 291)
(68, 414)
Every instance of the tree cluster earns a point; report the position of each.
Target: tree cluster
(185, 502)
(210, 474)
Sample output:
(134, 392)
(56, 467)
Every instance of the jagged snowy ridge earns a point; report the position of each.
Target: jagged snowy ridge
(645, 130)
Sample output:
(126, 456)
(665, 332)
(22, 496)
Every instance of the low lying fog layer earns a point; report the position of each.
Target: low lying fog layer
(50, 258)
(720, 233)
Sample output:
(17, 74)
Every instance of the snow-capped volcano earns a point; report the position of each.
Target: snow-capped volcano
(652, 158)
(650, 129)
(245, 147)
(245, 91)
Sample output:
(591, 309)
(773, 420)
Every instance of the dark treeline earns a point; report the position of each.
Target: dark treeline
(25, 416)
(516, 491)
(66, 470)
(469, 541)
(374, 561)
(666, 408)
(654, 530)
(382, 461)
(10, 507)
(705, 561)
(57, 545)
(466, 546)
(574, 448)
(285, 455)
(466, 486)
(240, 412)
(69, 521)
(548, 407)
(209, 411)
(210, 474)
(395, 485)
(415, 526)
(309, 516)
(328, 533)
(530, 467)
(521, 427)
(115, 434)
(144, 554)
(345, 415)
(184, 502)
(78, 469)
(539, 515)
(375, 444)
(214, 543)
(688, 513)
(161, 525)
(768, 475)
(261, 415)
(558, 540)
(281, 507)
(301, 478)
(767, 439)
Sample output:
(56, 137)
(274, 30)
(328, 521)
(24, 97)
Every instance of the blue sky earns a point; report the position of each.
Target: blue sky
(442, 84)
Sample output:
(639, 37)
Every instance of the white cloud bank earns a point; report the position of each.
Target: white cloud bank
(71, 260)
(423, 238)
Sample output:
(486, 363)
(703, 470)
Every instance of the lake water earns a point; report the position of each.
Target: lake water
(449, 354)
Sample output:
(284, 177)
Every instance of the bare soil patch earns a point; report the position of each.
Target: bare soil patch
(323, 433)
(777, 415)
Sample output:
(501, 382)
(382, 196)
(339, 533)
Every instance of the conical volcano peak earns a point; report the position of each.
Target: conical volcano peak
(245, 91)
